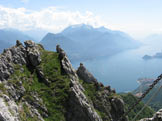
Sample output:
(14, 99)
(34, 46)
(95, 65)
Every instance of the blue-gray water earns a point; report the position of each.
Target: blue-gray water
(122, 70)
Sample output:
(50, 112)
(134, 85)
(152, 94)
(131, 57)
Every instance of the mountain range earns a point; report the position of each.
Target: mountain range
(8, 37)
(153, 39)
(86, 42)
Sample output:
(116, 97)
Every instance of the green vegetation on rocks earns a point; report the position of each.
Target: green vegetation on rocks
(40, 85)
(129, 100)
(97, 95)
(54, 95)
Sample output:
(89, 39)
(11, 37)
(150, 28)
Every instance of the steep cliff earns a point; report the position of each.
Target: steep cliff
(40, 85)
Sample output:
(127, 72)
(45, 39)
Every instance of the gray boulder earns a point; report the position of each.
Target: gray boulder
(33, 53)
(85, 75)
(18, 55)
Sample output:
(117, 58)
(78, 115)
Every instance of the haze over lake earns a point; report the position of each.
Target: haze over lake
(122, 70)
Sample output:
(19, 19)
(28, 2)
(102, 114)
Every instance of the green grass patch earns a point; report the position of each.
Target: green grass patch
(54, 95)
(92, 94)
(2, 87)
(129, 100)
(25, 114)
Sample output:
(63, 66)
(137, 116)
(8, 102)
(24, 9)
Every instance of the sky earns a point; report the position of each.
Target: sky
(138, 18)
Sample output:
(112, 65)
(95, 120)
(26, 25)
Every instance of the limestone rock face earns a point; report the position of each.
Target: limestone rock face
(33, 53)
(84, 74)
(8, 109)
(118, 108)
(16, 55)
(157, 117)
(81, 109)
(28, 84)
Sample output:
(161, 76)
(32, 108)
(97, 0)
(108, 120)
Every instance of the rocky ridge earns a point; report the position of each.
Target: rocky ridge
(39, 85)
(8, 59)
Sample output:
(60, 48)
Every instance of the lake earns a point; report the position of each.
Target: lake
(122, 70)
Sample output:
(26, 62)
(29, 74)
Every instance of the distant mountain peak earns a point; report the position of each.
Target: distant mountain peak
(76, 27)
(78, 39)
(103, 29)
(87, 27)
(48, 34)
(81, 26)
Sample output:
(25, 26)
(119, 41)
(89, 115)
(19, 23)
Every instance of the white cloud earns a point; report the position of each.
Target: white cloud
(52, 19)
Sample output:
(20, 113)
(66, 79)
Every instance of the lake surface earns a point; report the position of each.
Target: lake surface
(122, 70)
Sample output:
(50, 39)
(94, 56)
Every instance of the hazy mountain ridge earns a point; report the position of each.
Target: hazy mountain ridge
(11, 35)
(153, 39)
(157, 55)
(4, 45)
(89, 43)
(8, 37)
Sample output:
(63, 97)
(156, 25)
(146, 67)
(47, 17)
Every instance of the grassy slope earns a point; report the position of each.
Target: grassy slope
(92, 94)
(129, 100)
(54, 96)
(156, 102)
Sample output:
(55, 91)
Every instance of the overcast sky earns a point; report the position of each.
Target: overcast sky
(136, 17)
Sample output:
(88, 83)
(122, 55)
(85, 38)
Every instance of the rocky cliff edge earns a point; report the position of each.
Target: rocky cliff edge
(40, 85)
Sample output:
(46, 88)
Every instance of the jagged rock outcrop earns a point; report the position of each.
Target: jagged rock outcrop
(33, 53)
(39, 85)
(10, 112)
(81, 108)
(84, 74)
(16, 55)
(157, 117)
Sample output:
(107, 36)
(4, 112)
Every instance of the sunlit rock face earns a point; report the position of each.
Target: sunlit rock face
(39, 85)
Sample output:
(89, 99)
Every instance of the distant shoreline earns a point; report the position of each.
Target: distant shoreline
(157, 55)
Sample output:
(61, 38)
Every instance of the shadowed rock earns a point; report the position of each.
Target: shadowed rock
(33, 53)
(85, 75)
